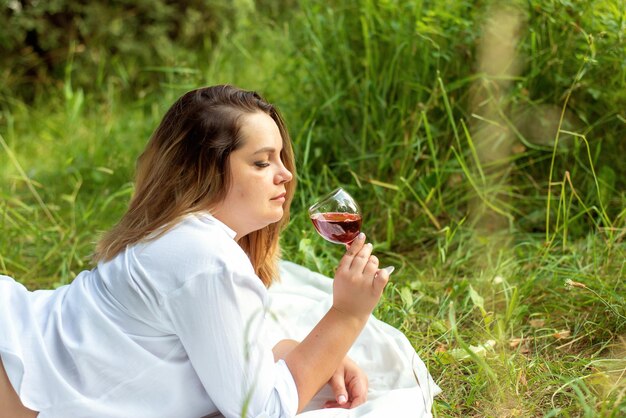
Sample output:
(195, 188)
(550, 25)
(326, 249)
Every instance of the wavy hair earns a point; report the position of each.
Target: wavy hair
(185, 169)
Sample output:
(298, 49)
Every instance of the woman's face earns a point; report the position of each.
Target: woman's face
(257, 191)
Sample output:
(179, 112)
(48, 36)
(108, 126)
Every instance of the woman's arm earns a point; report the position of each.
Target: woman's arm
(282, 348)
(219, 319)
(357, 288)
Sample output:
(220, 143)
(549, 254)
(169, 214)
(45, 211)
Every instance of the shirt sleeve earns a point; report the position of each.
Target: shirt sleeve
(219, 316)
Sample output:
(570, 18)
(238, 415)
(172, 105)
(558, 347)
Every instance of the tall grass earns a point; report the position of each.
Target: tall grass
(510, 270)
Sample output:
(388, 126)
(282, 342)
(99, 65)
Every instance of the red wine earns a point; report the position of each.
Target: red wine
(337, 227)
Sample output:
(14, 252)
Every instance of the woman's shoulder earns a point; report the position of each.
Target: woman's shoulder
(200, 228)
(197, 244)
(195, 235)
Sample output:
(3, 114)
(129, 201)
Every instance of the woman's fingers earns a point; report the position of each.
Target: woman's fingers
(371, 267)
(389, 269)
(361, 259)
(357, 255)
(349, 384)
(358, 281)
(380, 280)
(338, 385)
(351, 252)
(356, 383)
(358, 394)
(356, 245)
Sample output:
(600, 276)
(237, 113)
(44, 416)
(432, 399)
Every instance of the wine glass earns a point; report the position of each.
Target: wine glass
(337, 218)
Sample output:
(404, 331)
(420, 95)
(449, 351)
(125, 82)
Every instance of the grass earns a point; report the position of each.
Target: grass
(510, 264)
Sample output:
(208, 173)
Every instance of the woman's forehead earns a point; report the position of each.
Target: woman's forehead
(260, 133)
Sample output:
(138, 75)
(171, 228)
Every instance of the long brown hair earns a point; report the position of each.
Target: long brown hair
(185, 169)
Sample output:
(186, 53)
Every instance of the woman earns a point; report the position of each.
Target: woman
(171, 322)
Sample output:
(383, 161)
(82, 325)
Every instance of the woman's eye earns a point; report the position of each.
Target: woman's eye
(261, 164)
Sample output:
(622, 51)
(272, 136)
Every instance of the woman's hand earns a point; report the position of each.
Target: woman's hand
(358, 282)
(357, 288)
(349, 384)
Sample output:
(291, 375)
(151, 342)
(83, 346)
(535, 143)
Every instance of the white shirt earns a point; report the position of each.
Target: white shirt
(173, 327)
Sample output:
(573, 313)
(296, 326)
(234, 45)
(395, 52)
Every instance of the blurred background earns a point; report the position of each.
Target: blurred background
(484, 141)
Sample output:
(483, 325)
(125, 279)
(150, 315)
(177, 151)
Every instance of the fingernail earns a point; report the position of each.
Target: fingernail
(361, 236)
(342, 399)
(389, 269)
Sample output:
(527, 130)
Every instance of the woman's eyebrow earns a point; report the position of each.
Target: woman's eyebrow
(264, 150)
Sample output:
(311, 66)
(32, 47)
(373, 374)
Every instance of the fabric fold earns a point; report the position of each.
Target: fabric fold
(399, 382)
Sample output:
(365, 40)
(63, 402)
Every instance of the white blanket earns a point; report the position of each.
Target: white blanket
(399, 383)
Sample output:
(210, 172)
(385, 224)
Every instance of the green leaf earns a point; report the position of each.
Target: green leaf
(477, 300)
(407, 298)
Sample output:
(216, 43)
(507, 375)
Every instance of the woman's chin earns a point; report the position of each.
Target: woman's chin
(278, 216)
(270, 221)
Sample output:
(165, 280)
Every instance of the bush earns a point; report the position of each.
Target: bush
(115, 39)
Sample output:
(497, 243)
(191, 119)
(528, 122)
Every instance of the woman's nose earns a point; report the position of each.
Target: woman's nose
(284, 176)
